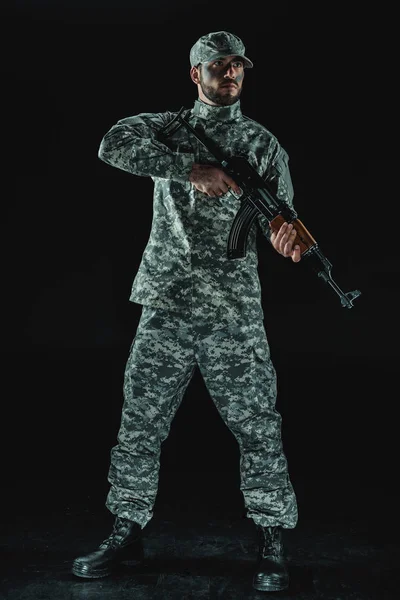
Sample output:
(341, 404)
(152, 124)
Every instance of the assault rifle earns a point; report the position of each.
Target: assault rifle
(259, 198)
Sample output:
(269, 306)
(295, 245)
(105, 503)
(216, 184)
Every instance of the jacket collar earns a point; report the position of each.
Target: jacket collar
(217, 113)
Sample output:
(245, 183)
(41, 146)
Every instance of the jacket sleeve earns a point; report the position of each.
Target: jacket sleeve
(279, 170)
(132, 145)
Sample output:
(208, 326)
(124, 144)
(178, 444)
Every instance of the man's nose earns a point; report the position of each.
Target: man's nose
(230, 72)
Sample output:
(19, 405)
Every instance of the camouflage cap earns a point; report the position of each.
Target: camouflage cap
(217, 45)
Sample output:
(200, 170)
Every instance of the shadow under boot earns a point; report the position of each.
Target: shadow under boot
(272, 574)
(124, 545)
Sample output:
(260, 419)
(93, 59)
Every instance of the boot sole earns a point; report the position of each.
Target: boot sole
(271, 585)
(82, 571)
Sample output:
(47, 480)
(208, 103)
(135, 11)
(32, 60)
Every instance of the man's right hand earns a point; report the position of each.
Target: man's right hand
(212, 181)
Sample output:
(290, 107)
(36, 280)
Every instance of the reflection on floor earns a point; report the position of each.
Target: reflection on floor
(198, 546)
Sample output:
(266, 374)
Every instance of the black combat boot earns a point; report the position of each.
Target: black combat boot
(272, 574)
(124, 545)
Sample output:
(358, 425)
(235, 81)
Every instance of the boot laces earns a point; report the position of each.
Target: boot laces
(270, 542)
(118, 533)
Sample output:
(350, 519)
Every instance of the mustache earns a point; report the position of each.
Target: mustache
(231, 82)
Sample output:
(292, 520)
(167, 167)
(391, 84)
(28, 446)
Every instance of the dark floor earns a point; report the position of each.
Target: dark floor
(342, 548)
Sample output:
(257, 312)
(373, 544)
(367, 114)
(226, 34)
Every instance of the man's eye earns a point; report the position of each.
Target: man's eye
(237, 64)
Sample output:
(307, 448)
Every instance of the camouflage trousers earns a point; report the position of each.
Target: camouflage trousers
(236, 367)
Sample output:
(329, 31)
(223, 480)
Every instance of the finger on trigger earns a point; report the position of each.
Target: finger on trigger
(233, 185)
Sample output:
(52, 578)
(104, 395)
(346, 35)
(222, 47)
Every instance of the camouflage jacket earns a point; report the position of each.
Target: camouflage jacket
(184, 265)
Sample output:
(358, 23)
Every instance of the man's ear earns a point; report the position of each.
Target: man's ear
(195, 75)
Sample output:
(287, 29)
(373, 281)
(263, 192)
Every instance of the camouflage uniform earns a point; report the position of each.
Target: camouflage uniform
(199, 308)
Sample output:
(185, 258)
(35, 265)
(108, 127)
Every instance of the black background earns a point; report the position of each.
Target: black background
(74, 230)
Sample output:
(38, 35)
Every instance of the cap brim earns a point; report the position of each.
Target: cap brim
(247, 62)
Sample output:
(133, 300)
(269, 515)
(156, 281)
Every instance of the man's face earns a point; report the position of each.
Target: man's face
(221, 80)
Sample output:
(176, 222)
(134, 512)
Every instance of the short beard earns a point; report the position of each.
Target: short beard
(216, 96)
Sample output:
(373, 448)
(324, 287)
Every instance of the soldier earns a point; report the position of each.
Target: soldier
(200, 309)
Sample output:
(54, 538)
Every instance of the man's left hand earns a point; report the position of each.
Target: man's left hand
(283, 240)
